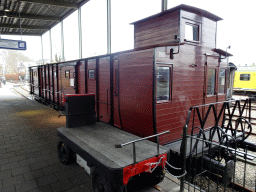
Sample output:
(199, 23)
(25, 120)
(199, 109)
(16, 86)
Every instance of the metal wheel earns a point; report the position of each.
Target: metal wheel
(100, 184)
(65, 154)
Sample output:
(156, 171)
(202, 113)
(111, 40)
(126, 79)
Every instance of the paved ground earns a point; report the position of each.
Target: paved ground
(28, 158)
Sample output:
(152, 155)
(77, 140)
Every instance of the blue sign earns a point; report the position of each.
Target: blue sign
(12, 44)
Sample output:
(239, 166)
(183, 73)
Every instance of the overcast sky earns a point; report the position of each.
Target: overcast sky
(237, 28)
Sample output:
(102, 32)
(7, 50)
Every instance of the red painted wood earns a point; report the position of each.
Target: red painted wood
(104, 89)
(91, 81)
(136, 92)
(133, 95)
(65, 81)
(117, 121)
(81, 77)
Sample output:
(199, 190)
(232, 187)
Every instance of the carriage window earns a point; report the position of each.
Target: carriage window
(191, 32)
(163, 83)
(222, 81)
(67, 74)
(91, 73)
(245, 77)
(211, 73)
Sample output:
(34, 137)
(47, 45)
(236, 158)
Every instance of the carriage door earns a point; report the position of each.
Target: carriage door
(211, 74)
(116, 106)
(67, 75)
(81, 75)
(104, 109)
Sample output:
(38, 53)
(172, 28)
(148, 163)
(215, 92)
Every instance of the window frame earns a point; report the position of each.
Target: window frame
(94, 75)
(215, 82)
(170, 66)
(225, 82)
(187, 21)
(248, 75)
(67, 74)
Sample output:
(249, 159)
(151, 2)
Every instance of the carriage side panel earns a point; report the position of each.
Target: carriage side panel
(136, 92)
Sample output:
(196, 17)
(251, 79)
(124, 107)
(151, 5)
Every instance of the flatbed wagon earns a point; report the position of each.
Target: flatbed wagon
(110, 165)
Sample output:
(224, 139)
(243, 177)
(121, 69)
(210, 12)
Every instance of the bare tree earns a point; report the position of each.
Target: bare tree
(57, 58)
(12, 58)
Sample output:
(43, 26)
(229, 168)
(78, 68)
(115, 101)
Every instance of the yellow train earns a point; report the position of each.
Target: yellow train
(245, 79)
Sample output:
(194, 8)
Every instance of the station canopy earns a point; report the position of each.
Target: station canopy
(34, 17)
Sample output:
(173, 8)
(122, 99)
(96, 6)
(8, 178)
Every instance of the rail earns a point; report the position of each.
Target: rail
(137, 140)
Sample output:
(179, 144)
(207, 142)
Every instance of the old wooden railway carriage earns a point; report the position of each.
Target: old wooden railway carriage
(148, 90)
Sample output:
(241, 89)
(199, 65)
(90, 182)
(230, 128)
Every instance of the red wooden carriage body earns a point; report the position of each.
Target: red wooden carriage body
(148, 90)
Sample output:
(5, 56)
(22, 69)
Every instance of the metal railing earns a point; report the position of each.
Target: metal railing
(219, 157)
(137, 140)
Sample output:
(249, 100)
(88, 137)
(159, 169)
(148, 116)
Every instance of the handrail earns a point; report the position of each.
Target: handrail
(137, 140)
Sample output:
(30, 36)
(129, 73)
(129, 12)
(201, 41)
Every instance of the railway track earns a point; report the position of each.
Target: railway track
(232, 186)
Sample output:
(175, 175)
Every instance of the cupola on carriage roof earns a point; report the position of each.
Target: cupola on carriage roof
(184, 7)
(183, 24)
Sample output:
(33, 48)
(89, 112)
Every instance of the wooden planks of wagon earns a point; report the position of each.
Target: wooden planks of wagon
(111, 164)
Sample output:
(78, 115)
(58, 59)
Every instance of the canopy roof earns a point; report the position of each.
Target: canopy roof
(34, 17)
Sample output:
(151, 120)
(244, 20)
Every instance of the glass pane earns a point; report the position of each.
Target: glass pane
(91, 74)
(222, 80)
(211, 81)
(163, 83)
(191, 32)
(245, 77)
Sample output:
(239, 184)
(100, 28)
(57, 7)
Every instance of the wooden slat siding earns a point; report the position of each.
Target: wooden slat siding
(55, 85)
(41, 83)
(91, 82)
(104, 88)
(156, 22)
(81, 78)
(153, 42)
(35, 80)
(156, 34)
(156, 31)
(100, 140)
(51, 85)
(65, 87)
(136, 103)
(117, 122)
(187, 91)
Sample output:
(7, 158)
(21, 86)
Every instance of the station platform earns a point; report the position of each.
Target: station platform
(28, 156)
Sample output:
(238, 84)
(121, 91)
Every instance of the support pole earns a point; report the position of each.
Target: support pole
(183, 153)
(80, 33)
(42, 49)
(50, 40)
(108, 26)
(164, 5)
(62, 41)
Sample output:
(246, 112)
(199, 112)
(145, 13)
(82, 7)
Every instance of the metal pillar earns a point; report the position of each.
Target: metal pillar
(42, 48)
(164, 5)
(80, 33)
(62, 41)
(50, 40)
(108, 26)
